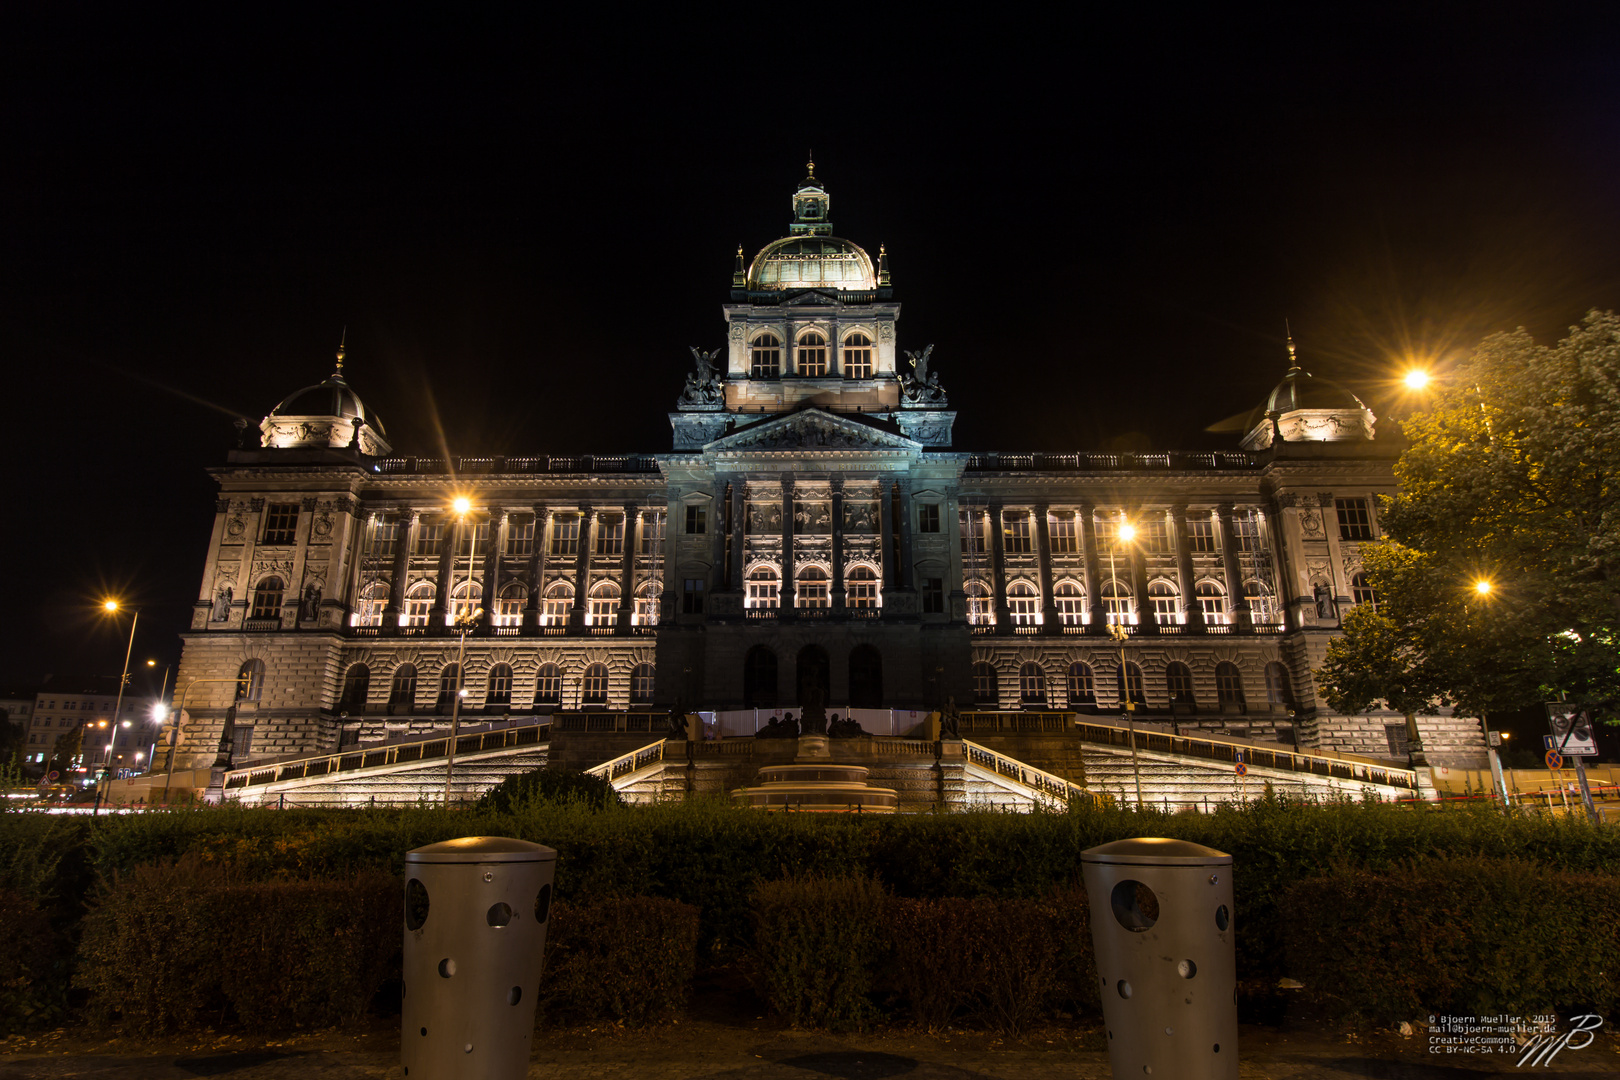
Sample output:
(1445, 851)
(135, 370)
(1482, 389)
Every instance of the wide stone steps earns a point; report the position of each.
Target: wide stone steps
(1174, 782)
(400, 784)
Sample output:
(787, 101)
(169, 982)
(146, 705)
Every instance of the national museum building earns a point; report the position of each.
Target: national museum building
(812, 532)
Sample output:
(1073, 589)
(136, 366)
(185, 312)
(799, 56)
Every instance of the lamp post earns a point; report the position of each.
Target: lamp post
(159, 711)
(111, 607)
(1125, 534)
(465, 621)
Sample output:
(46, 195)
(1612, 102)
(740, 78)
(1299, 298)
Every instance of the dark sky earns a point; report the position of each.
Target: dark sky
(1101, 221)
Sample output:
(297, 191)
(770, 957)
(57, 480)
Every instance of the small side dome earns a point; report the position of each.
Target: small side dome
(1303, 408)
(327, 414)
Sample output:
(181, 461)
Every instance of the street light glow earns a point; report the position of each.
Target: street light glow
(462, 504)
(1483, 587)
(1417, 379)
(109, 605)
(1127, 532)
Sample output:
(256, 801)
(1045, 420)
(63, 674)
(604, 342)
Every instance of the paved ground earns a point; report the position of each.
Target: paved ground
(734, 1051)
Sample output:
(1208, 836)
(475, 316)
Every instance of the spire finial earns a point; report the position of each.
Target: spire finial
(739, 276)
(342, 341)
(883, 264)
(1293, 359)
(811, 164)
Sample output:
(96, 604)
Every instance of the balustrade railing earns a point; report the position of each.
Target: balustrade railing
(647, 755)
(1029, 776)
(427, 748)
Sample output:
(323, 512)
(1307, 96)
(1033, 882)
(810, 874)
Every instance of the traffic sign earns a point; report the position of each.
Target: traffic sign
(1237, 755)
(1555, 760)
(1242, 769)
(1571, 730)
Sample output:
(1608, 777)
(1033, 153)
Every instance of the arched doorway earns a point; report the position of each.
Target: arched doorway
(865, 678)
(759, 678)
(814, 671)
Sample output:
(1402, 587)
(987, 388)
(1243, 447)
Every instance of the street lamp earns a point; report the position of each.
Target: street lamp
(112, 607)
(465, 621)
(159, 710)
(1417, 379)
(1124, 535)
(1483, 587)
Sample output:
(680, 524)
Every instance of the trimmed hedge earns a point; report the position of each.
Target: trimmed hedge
(818, 943)
(628, 960)
(1468, 937)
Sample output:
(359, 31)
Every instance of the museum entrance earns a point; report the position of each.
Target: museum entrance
(814, 674)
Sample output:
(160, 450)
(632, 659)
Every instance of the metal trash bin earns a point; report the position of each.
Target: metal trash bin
(1161, 922)
(475, 939)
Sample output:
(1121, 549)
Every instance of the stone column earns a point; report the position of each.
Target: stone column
(491, 578)
(739, 512)
(404, 539)
(717, 542)
(1146, 623)
(1192, 611)
(1338, 581)
(907, 525)
(537, 567)
(789, 586)
(627, 569)
(669, 603)
(1043, 553)
(885, 524)
(446, 579)
(955, 598)
(998, 569)
(1241, 619)
(582, 569)
(837, 486)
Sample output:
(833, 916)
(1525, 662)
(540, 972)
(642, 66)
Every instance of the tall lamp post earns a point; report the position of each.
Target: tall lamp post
(111, 607)
(1117, 630)
(465, 621)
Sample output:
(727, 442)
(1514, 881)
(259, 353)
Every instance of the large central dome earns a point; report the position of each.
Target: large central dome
(812, 262)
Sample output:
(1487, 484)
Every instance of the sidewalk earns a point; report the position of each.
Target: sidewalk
(706, 1050)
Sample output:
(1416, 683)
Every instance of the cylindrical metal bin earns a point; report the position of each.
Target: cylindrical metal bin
(1161, 921)
(475, 938)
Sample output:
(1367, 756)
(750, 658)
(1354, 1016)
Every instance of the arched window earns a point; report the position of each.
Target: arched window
(985, 691)
(647, 604)
(1261, 608)
(980, 610)
(369, 612)
(1229, 685)
(1022, 604)
(403, 691)
(1179, 678)
(1082, 685)
(861, 588)
(267, 599)
(593, 685)
(762, 588)
(1164, 598)
(857, 356)
(558, 603)
(500, 685)
(465, 598)
(759, 678)
(1071, 604)
(356, 688)
(812, 355)
(1212, 602)
(604, 604)
(1117, 602)
(1133, 682)
(548, 685)
(418, 602)
(765, 361)
(641, 685)
(250, 681)
(813, 589)
(1032, 684)
(514, 595)
(1362, 592)
(1279, 687)
(865, 677)
(449, 683)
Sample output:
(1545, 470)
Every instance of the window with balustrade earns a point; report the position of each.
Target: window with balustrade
(981, 609)
(1212, 602)
(418, 604)
(465, 599)
(369, 610)
(765, 357)
(1071, 604)
(514, 595)
(1166, 603)
(1118, 603)
(813, 588)
(647, 601)
(267, 597)
(856, 356)
(557, 603)
(811, 355)
(861, 588)
(603, 606)
(1023, 604)
(763, 588)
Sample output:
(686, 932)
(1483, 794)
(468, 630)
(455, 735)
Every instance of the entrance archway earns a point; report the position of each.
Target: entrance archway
(759, 678)
(865, 677)
(814, 671)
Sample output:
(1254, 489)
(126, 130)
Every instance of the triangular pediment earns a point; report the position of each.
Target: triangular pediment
(813, 429)
(816, 297)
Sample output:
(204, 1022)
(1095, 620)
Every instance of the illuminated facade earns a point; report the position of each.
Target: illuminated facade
(812, 532)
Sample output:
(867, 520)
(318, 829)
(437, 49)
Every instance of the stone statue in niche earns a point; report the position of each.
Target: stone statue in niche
(311, 605)
(950, 720)
(222, 604)
(1325, 606)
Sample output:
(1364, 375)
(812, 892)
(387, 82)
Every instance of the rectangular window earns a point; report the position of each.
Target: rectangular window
(565, 534)
(1399, 744)
(1246, 533)
(1355, 523)
(281, 523)
(1155, 536)
(429, 536)
(1201, 536)
(857, 357)
(692, 595)
(1015, 532)
(509, 611)
(1065, 537)
(928, 518)
(610, 536)
(697, 520)
(974, 527)
(554, 612)
(933, 596)
(478, 535)
(384, 537)
(416, 609)
(652, 534)
(520, 538)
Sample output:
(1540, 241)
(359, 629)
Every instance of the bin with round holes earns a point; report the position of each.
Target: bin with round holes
(475, 937)
(1161, 923)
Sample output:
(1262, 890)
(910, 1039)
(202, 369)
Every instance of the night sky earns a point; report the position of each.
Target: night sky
(1100, 222)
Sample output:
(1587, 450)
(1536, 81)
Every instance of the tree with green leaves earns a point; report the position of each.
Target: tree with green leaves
(1500, 570)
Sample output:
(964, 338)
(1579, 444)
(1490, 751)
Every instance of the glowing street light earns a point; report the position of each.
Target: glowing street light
(111, 606)
(1417, 379)
(465, 621)
(1125, 534)
(1483, 587)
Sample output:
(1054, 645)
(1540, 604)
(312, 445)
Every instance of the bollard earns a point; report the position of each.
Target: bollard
(475, 938)
(1161, 922)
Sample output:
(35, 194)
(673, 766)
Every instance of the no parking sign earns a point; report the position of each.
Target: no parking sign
(1555, 760)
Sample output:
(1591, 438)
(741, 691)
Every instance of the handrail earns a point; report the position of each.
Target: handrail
(424, 749)
(629, 763)
(1046, 783)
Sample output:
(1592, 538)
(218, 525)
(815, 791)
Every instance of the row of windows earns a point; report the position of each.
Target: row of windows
(1081, 684)
(1119, 603)
(601, 609)
(811, 356)
(1153, 533)
(812, 588)
(591, 690)
(520, 536)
